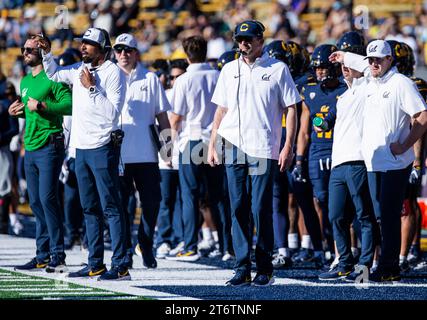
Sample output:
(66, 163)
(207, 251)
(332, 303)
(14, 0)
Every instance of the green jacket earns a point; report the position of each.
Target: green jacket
(39, 125)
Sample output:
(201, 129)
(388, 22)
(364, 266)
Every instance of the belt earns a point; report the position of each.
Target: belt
(352, 163)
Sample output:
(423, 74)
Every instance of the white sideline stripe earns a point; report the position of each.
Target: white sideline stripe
(94, 294)
(26, 280)
(48, 289)
(286, 281)
(36, 286)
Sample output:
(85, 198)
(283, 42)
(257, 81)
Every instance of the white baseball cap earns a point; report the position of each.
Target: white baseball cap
(94, 36)
(126, 39)
(378, 49)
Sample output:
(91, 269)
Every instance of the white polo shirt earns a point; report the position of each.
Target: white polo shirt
(256, 97)
(175, 151)
(191, 98)
(347, 145)
(391, 101)
(348, 127)
(145, 99)
(95, 115)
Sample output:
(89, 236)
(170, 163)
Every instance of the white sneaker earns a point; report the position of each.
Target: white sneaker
(227, 256)
(16, 225)
(138, 250)
(163, 250)
(206, 244)
(334, 263)
(178, 248)
(215, 253)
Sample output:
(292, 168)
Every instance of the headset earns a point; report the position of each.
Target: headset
(259, 34)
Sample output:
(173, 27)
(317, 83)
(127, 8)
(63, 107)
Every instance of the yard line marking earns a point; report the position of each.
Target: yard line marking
(50, 290)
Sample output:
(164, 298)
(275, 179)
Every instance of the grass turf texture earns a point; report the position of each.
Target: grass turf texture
(14, 285)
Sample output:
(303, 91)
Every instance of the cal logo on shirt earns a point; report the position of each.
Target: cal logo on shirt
(324, 109)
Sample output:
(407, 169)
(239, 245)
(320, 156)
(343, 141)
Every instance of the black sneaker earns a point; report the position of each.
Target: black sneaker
(148, 259)
(382, 276)
(280, 261)
(240, 279)
(56, 265)
(115, 274)
(188, 255)
(33, 264)
(357, 274)
(304, 255)
(334, 274)
(263, 280)
(88, 272)
(404, 266)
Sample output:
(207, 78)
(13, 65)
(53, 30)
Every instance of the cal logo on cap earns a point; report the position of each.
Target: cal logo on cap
(373, 49)
(244, 27)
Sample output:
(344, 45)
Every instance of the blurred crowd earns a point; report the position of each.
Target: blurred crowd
(284, 20)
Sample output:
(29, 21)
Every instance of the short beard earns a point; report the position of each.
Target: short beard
(87, 59)
(34, 63)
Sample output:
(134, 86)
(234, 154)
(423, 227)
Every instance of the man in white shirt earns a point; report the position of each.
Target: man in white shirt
(252, 94)
(392, 103)
(349, 181)
(145, 102)
(98, 97)
(192, 117)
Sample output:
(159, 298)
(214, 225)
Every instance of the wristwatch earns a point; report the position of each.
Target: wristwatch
(92, 89)
(40, 106)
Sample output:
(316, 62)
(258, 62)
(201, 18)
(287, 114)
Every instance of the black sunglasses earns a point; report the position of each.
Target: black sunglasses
(119, 49)
(244, 38)
(29, 50)
(171, 77)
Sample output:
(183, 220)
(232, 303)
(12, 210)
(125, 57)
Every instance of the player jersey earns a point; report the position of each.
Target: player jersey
(300, 82)
(321, 103)
(421, 85)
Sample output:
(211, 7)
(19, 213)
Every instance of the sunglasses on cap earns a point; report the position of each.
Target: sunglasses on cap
(126, 49)
(29, 50)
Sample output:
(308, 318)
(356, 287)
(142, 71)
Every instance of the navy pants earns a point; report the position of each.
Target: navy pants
(99, 188)
(193, 169)
(319, 172)
(256, 198)
(303, 193)
(169, 221)
(280, 203)
(146, 177)
(388, 192)
(42, 168)
(73, 212)
(349, 182)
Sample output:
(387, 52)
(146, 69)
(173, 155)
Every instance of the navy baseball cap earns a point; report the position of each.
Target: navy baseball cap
(250, 28)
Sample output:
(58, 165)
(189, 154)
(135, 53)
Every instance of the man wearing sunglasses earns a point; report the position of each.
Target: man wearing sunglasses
(394, 118)
(145, 103)
(252, 94)
(43, 103)
(98, 97)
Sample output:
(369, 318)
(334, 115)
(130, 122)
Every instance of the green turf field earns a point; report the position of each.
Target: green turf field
(15, 285)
